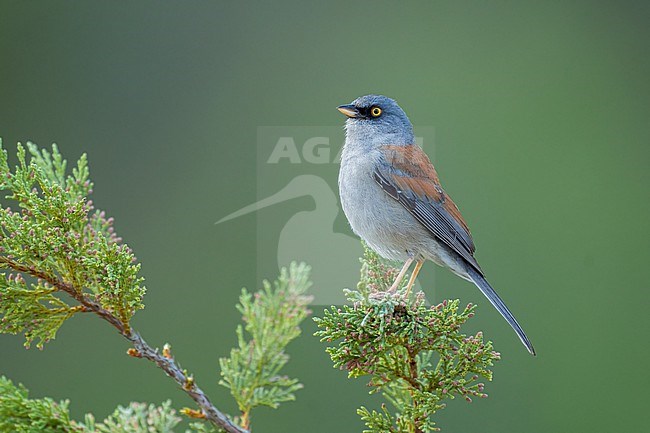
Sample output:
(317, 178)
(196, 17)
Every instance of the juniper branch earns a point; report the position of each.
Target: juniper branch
(415, 355)
(56, 240)
(142, 349)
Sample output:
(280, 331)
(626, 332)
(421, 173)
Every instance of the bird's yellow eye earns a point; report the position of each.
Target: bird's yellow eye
(375, 111)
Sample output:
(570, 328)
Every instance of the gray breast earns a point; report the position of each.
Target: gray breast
(374, 216)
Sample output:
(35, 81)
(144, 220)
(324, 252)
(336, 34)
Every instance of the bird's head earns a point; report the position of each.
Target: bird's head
(377, 120)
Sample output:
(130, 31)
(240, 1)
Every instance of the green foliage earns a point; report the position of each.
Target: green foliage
(376, 274)
(136, 418)
(415, 355)
(20, 414)
(56, 234)
(272, 317)
(203, 427)
(34, 311)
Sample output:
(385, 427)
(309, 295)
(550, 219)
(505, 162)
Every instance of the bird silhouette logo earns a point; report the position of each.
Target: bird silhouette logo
(309, 236)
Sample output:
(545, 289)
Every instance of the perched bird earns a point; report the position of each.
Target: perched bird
(391, 195)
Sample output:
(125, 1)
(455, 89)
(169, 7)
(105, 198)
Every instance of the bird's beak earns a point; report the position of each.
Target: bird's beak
(349, 110)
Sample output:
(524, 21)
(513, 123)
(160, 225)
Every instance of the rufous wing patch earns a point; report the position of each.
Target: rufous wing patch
(414, 172)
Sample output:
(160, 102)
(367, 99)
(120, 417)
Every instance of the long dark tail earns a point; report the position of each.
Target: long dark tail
(496, 301)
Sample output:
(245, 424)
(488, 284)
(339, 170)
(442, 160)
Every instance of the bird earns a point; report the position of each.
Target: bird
(392, 197)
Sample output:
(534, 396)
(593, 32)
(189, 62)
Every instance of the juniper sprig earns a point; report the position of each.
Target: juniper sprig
(57, 237)
(272, 318)
(21, 414)
(415, 355)
(135, 418)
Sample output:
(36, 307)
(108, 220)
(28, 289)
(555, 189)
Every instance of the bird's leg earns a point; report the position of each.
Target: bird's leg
(401, 274)
(414, 275)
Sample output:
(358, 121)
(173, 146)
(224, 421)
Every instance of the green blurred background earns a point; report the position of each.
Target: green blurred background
(541, 112)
